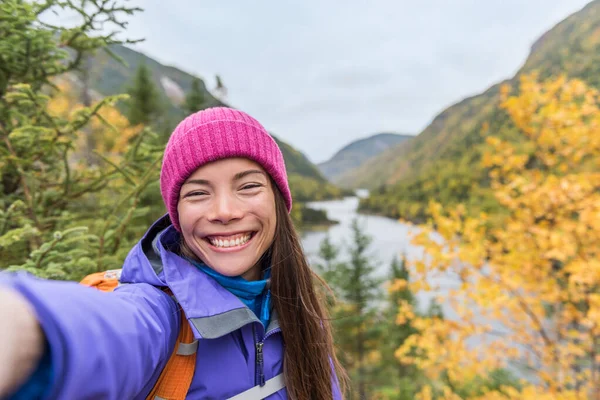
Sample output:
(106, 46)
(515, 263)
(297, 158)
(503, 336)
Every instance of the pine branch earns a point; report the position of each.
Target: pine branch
(116, 167)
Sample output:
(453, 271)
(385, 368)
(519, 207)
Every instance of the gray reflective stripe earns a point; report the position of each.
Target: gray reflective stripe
(271, 386)
(187, 349)
(274, 322)
(273, 325)
(220, 325)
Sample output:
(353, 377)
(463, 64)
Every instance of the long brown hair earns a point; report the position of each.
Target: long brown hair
(309, 358)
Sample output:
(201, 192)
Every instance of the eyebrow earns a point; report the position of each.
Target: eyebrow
(243, 174)
(236, 177)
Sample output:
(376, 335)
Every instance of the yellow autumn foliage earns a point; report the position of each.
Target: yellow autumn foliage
(109, 132)
(527, 292)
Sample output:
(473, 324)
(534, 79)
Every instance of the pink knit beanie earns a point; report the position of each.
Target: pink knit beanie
(211, 135)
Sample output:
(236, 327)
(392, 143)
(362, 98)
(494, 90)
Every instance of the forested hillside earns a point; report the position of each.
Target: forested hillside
(443, 162)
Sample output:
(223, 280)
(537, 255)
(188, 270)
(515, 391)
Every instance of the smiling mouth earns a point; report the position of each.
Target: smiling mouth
(231, 241)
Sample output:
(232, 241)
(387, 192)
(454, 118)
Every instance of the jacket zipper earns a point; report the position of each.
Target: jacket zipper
(259, 375)
(260, 365)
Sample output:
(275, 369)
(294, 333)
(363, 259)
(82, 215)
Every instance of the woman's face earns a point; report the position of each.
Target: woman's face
(227, 215)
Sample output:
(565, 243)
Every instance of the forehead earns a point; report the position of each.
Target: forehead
(226, 168)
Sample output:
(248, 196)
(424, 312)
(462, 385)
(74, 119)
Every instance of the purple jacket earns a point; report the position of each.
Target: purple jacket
(114, 345)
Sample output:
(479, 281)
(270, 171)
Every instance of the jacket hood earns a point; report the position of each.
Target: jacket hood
(143, 264)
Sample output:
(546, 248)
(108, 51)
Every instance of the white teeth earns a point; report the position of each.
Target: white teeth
(230, 242)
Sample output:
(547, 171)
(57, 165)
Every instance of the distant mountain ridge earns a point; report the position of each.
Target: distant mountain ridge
(571, 47)
(108, 77)
(357, 152)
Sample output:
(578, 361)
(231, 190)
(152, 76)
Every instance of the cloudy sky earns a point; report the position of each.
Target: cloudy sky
(320, 74)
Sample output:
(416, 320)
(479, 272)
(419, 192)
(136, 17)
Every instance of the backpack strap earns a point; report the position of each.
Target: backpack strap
(105, 281)
(271, 386)
(176, 378)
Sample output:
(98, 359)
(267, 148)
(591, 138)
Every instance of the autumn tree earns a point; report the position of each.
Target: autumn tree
(110, 131)
(400, 380)
(527, 296)
(59, 219)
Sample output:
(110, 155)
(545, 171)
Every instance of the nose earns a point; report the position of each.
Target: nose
(225, 209)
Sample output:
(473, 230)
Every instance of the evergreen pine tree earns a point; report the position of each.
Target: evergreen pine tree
(144, 104)
(195, 99)
(329, 268)
(355, 316)
(329, 253)
(59, 219)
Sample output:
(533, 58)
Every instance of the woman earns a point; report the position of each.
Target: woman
(227, 251)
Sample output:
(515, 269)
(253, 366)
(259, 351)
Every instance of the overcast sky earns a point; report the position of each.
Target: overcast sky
(320, 73)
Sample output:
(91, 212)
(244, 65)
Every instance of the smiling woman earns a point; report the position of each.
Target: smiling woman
(227, 255)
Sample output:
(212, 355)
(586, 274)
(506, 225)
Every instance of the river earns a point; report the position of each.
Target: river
(390, 239)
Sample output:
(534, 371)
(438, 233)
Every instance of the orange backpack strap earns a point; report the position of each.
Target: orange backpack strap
(176, 378)
(105, 281)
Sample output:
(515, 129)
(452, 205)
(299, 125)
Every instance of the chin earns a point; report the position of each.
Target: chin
(232, 272)
(230, 267)
(230, 262)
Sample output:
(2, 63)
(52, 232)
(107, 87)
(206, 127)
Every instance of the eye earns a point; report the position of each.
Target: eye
(197, 193)
(250, 186)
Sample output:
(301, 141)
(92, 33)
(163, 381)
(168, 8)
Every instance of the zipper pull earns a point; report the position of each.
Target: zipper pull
(260, 363)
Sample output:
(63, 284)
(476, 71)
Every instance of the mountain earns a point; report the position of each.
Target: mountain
(357, 152)
(107, 77)
(442, 162)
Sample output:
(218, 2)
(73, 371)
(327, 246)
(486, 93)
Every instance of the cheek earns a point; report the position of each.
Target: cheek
(189, 216)
(182, 216)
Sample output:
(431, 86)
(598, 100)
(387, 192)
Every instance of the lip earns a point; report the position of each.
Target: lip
(230, 249)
